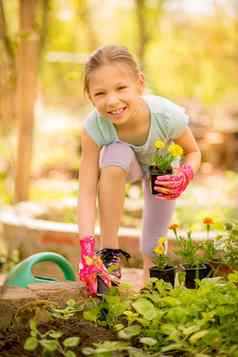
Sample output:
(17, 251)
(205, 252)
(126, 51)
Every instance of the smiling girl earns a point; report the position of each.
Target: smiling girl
(117, 145)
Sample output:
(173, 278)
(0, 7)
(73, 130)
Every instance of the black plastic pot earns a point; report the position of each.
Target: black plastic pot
(167, 274)
(154, 172)
(195, 272)
(2, 262)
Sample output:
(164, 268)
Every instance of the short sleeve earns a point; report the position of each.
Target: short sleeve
(176, 122)
(92, 128)
(99, 129)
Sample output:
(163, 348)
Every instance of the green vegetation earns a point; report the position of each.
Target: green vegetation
(49, 341)
(158, 321)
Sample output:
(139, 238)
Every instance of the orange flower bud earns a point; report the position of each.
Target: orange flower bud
(174, 226)
(208, 220)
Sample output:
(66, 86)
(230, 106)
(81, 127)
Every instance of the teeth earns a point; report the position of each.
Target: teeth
(118, 111)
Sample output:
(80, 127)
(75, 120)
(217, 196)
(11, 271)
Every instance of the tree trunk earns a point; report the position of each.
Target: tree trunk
(85, 17)
(8, 76)
(148, 18)
(142, 37)
(27, 66)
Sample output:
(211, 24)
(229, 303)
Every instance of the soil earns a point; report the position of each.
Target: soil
(12, 340)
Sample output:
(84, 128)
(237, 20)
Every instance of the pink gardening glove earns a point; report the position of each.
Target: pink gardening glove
(91, 266)
(175, 184)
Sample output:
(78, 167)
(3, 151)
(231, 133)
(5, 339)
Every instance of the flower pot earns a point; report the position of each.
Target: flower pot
(167, 274)
(154, 172)
(2, 263)
(195, 272)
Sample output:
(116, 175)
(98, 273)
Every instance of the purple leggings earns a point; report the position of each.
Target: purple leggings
(156, 214)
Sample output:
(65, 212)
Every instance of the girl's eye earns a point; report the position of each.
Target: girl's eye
(121, 87)
(97, 94)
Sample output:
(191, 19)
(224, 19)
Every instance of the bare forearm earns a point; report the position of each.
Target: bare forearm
(86, 214)
(194, 160)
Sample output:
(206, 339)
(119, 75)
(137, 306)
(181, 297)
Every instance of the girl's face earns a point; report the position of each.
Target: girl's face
(115, 90)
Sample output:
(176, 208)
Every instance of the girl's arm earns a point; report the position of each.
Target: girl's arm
(88, 180)
(170, 187)
(191, 150)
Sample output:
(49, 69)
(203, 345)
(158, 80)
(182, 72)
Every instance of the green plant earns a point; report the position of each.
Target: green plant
(209, 247)
(8, 261)
(187, 249)
(161, 259)
(162, 321)
(210, 251)
(106, 313)
(165, 155)
(71, 308)
(50, 341)
(231, 245)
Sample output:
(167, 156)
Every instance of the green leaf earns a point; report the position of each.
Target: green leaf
(34, 333)
(145, 308)
(70, 354)
(33, 324)
(233, 277)
(88, 351)
(196, 336)
(71, 341)
(91, 315)
(171, 301)
(168, 329)
(49, 345)
(105, 347)
(31, 344)
(126, 285)
(172, 346)
(191, 329)
(149, 341)
(129, 332)
(71, 302)
(118, 327)
(55, 334)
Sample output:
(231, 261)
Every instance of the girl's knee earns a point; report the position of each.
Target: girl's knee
(113, 171)
(117, 155)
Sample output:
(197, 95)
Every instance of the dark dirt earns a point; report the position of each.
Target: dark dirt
(12, 340)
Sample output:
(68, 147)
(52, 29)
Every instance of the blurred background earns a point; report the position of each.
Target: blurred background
(188, 51)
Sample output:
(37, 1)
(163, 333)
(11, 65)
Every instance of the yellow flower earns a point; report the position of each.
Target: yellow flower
(159, 250)
(159, 144)
(175, 150)
(88, 260)
(162, 240)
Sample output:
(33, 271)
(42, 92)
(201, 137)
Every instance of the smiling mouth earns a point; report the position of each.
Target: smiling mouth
(117, 111)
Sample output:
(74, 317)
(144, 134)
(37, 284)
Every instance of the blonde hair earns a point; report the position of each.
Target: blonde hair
(108, 55)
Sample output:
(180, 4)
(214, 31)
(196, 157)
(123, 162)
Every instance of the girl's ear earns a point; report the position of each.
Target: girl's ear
(141, 82)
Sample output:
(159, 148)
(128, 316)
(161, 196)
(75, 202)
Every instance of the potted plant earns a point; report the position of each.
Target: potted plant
(164, 160)
(231, 246)
(162, 268)
(212, 255)
(192, 261)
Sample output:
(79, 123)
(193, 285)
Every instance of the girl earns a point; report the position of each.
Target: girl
(117, 144)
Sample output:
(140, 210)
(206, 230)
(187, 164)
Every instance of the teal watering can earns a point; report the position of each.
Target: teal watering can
(21, 275)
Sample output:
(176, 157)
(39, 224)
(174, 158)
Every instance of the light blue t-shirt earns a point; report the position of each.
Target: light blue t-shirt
(167, 121)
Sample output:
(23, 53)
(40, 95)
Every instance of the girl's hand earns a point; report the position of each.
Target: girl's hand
(91, 266)
(171, 186)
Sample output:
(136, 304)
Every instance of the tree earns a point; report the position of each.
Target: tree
(147, 15)
(27, 65)
(8, 74)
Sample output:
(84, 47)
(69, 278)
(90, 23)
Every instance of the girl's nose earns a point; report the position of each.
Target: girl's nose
(112, 100)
